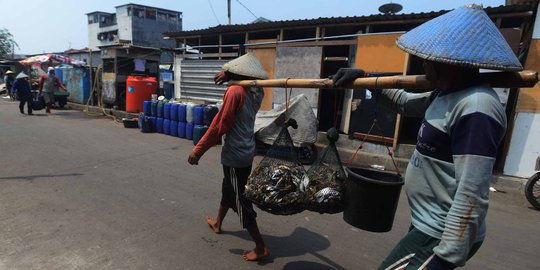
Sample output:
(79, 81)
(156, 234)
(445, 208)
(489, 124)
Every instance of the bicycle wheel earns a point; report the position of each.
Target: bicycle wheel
(532, 190)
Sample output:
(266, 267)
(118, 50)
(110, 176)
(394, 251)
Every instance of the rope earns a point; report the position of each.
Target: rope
(375, 123)
(287, 101)
(96, 88)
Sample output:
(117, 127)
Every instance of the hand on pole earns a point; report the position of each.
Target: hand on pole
(221, 77)
(346, 75)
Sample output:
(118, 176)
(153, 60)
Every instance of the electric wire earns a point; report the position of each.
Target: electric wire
(247, 9)
(213, 11)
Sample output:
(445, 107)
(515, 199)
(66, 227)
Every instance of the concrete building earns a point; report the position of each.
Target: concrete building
(138, 24)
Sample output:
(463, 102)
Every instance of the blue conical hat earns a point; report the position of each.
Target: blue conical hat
(465, 36)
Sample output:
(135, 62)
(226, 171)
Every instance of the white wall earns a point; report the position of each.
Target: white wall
(524, 146)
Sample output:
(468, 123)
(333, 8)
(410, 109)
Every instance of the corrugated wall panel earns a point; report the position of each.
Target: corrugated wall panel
(197, 80)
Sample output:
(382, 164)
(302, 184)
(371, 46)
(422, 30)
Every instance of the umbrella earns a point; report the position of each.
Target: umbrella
(45, 58)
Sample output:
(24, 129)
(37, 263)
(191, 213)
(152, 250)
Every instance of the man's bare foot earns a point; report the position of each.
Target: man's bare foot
(214, 226)
(256, 254)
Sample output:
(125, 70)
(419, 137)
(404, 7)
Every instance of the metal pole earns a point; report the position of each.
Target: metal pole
(90, 69)
(523, 79)
(229, 10)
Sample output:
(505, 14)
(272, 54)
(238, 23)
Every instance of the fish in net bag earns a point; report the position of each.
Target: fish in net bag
(277, 185)
(326, 187)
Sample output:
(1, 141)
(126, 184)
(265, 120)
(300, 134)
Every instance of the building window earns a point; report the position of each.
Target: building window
(138, 12)
(173, 18)
(151, 14)
(93, 19)
(162, 16)
(107, 36)
(129, 11)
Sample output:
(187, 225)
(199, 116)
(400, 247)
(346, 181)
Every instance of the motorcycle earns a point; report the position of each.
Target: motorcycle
(532, 187)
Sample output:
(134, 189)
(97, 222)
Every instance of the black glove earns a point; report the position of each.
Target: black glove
(346, 75)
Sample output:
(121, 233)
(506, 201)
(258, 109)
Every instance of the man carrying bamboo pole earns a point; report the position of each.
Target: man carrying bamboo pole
(448, 176)
(236, 120)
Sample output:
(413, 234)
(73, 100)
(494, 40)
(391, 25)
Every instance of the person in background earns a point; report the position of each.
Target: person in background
(236, 120)
(9, 80)
(47, 85)
(22, 87)
(448, 176)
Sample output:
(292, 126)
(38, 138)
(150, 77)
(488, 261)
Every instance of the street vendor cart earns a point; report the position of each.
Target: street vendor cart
(38, 63)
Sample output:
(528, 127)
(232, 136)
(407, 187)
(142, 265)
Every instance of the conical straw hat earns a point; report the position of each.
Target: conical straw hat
(246, 65)
(464, 37)
(21, 75)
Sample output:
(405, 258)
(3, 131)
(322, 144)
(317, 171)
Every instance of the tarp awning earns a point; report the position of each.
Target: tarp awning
(55, 58)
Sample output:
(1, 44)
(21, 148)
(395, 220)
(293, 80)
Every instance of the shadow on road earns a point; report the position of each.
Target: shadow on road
(300, 265)
(76, 115)
(34, 177)
(300, 242)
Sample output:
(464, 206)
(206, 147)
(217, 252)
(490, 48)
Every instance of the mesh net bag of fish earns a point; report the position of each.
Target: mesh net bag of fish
(277, 185)
(325, 189)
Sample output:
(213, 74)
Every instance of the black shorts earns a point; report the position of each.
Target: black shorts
(232, 193)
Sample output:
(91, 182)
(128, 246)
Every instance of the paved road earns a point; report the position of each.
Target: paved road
(79, 192)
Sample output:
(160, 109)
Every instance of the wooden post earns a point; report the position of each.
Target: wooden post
(90, 71)
(220, 51)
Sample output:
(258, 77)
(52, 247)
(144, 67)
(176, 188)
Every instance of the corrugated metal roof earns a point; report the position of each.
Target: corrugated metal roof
(338, 20)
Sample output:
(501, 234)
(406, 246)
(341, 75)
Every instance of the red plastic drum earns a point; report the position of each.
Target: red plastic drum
(139, 89)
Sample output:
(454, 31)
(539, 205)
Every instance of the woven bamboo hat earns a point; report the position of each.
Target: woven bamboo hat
(466, 37)
(9, 72)
(21, 76)
(246, 65)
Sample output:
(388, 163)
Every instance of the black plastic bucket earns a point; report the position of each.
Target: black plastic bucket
(371, 199)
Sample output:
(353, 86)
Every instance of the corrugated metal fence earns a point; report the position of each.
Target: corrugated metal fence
(197, 80)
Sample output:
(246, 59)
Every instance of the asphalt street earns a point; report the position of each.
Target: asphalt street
(81, 192)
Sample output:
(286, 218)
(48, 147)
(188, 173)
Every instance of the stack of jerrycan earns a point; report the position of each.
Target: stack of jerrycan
(183, 120)
(190, 109)
(202, 120)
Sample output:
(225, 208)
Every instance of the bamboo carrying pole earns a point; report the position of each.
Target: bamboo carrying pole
(523, 79)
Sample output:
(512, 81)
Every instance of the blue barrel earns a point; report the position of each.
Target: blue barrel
(159, 109)
(189, 131)
(198, 114)
(174, 111)
(154, 108)
(146, 124)
(167, 110)
(209, 114)
(147, 107)
(174, 129)
(154, 123)
(167, 126)
(182, 112)
(198, 133)
(181, 129)
(159, 125)
(168, 90)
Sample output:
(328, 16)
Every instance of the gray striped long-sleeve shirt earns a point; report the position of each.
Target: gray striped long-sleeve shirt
(448, 176)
